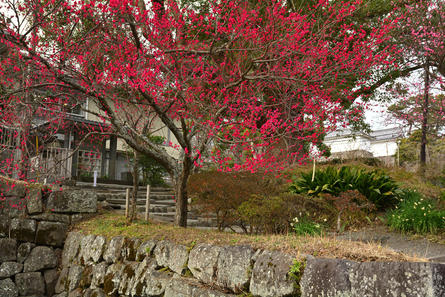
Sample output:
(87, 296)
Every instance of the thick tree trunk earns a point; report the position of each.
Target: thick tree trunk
(134, 195)
(181, 205)
(424, 120)
(181, 194)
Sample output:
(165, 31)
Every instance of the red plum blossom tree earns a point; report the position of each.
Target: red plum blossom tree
(248, 77)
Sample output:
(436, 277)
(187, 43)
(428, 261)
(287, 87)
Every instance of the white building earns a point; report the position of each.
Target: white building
(380, 144)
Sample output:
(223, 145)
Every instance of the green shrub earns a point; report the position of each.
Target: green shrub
(375, 185)
(269, 214)
(221, 193)
(416, 214)
(275, 213)
(352, 208)
(304, 226)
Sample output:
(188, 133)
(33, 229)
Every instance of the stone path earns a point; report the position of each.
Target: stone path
(435, 252)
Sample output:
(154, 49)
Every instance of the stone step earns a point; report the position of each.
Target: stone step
(170, 218)
(138, 197)
(138, 202)
(171, 214)
(153, 196)
(140, 191)
(190, 222)
(142, 205)
(101, 186)
(167, 211)
(193, 220)
(166, 202)
(153, 208)
(107, 197)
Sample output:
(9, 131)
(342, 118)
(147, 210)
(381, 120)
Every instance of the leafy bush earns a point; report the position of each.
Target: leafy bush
(221, 193)
(416, 214)
(304, 226)
(265, 214)
(376, 186)
(352, 208)
(253, 202)
(274, 214)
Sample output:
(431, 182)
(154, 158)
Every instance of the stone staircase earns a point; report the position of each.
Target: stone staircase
(162, 202)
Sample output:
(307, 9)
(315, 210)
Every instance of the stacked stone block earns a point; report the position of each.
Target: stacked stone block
(27, 269)
(33, 228)
(123, 267)
(93, 266)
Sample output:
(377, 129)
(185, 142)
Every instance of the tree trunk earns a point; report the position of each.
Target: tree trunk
(24, 162)
(17, 156)
(424, 121)
(134, 195)
(181, 194)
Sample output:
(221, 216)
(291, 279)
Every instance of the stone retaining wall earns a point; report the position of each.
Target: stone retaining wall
(96, 267)
(33, 228)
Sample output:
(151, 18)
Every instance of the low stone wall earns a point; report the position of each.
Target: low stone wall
(33, 227)
(94, 266)
(333, 277)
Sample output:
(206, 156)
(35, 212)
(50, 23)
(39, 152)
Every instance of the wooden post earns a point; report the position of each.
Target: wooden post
(313, 171)
(112, 160)
(147, 203)
(127, 202)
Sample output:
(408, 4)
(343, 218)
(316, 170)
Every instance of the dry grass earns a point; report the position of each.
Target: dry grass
(112, 224)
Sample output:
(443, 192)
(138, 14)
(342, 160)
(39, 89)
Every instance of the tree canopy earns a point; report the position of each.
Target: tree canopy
(253, 75)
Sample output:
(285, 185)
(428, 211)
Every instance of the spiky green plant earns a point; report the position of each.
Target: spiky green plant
(375, 185)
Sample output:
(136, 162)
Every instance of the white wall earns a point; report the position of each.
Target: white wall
(384, 148)
(348, 144)
(380, 148)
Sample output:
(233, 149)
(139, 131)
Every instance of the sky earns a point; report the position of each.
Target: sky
(378, 118)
